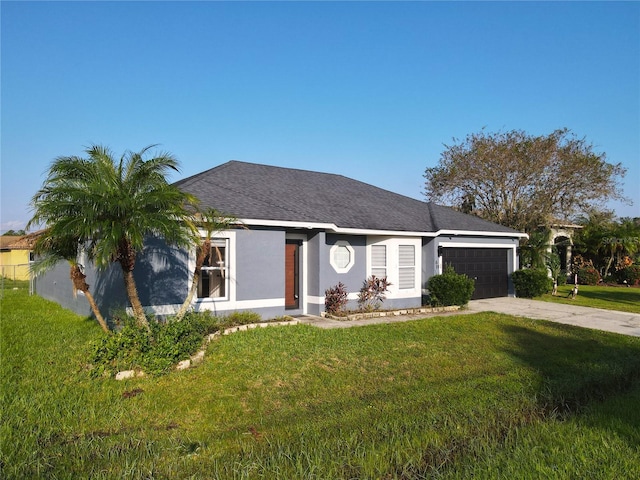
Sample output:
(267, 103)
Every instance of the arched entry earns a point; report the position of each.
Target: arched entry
(562, 246)
(562, 242)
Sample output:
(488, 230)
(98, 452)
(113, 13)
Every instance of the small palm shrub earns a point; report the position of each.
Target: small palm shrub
(335, 299)
(531, 282)
(450, 288)
(372, 293)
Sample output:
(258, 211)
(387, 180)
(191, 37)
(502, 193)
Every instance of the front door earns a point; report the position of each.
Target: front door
(292, 275)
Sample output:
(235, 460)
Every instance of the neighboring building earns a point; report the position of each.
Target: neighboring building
(15, 255)
(302, 233)
(561, 237)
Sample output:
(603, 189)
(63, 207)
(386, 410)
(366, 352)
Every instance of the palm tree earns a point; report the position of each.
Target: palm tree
(53, 248)
(210, 221)
(622, 239)
(534, 249)
(113, 205)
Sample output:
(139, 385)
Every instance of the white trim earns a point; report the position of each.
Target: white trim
(480, 233)
(447, 244)
(332, 227)
(215, 305)
(393, 264)
(211, 304)
(352, 256)
(302, 301)
(230, 295)
(450, 244)
(315, 300)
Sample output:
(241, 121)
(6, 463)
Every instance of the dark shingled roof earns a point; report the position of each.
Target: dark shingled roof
(263, 192)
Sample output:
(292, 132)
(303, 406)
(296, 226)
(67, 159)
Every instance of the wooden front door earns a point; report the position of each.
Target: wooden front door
(291, 275)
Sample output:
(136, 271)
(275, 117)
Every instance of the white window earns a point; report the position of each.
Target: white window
(406, 266)
(342, 256)
(214, 275)
(398, 259)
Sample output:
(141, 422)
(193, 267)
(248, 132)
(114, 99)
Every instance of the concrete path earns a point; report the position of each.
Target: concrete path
(607, 320)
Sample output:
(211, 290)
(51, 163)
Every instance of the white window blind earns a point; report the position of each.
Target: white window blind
(407, 266)
(379, 260)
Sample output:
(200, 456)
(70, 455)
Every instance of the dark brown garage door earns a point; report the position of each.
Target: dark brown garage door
(487, 266)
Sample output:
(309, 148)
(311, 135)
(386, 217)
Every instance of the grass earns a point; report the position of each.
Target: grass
(484, 395)
(625, 299)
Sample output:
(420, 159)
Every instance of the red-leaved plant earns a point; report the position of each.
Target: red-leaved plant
(335, 299)
(372, 293)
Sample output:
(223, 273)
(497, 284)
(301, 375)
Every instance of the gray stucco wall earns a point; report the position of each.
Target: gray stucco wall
(356, 275)
(259, 264)
(160, 273)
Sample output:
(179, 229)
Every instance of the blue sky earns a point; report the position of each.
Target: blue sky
(370, 90)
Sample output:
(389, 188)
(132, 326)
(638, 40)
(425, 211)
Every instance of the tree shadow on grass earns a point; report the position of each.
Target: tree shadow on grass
(581, 370)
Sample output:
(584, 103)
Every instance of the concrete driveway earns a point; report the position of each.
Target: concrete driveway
(596, 318)
(607, 320)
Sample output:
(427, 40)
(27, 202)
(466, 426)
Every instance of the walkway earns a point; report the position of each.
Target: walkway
(606, 320)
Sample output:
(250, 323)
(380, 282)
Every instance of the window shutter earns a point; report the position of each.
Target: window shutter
(379, 260)
(407, 266)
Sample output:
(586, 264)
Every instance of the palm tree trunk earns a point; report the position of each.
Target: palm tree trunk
(202, 253)
(132, 293)
(192, 291)
(96, 311)
(77, 278)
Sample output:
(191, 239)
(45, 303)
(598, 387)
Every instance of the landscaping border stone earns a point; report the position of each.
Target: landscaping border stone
(391, 313)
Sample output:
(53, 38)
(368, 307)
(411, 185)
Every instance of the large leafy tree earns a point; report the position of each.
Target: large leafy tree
(523, 181)
(111, 205)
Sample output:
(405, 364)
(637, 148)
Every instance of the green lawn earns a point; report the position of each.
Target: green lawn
(626, 299)
(483, 396)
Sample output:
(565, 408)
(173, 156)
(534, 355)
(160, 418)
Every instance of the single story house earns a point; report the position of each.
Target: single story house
(16, 253)
(303, 232)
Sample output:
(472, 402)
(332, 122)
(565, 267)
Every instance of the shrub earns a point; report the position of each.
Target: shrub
(630, 275)
(156, 351)
(238, 318)
(450, 288)
(531, 283)
(372, 293)
(335, 299)
(562, 278)
(588, 275)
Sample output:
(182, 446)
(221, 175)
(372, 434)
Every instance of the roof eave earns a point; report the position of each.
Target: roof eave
(332, 227)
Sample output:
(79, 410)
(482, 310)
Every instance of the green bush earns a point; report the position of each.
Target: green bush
(531, 283)
(154, 352)
(450, 288)
(629, 275)
(562, 278)
(588, 275)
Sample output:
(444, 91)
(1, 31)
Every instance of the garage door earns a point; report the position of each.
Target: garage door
(487, 266)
